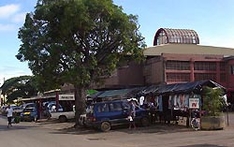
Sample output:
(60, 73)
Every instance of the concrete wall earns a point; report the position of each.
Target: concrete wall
(154, 71)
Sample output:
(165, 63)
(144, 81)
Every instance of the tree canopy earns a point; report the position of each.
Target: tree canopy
(16, 87)
(77, 42)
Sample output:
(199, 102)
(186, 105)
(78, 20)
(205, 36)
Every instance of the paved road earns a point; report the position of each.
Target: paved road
(48, 134)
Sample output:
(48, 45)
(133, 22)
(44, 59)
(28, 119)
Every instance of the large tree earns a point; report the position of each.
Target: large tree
(16, 87)
(77, 42)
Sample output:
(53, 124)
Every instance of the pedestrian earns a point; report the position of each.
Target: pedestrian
(9, 112)
(131, 121)
(133, 107)
(132, 114)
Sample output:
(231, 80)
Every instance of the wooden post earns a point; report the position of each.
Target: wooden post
(57, 100)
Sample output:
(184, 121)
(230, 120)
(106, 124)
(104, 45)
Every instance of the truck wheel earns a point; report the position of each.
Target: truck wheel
(62, 118)
(145, 122)
(105, 126)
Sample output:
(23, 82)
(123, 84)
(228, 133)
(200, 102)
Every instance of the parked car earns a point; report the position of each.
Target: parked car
(52, 107)
(28, 105)
(63, 116)
(105, 115)
(29, 114)
(3, 110)
(4, 107)
(17, 110)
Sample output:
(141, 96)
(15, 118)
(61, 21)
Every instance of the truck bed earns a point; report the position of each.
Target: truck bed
(63, 116)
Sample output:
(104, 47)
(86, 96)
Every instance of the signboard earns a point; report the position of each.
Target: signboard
(66, 97)
(194, 103)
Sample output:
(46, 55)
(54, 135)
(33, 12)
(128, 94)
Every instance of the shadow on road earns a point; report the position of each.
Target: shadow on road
(14, 127)
(156, 128)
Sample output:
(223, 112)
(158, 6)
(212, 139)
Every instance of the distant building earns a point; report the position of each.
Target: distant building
(176, 57)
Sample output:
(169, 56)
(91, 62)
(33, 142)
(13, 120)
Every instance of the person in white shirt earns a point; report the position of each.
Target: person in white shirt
(53, 108)
(9, 112)
(142, 98)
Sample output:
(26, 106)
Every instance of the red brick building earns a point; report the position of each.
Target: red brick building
(176, 57)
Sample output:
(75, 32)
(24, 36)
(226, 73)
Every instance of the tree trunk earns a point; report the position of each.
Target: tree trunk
(80, 98)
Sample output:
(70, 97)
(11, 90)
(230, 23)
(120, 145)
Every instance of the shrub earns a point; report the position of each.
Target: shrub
(213, 102)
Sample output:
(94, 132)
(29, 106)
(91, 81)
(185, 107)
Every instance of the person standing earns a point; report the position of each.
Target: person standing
(131, 121)
(133, 108)
(9, 112)
(132, 114)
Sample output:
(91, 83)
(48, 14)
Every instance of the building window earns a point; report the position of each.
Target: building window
(205, 76)
(222, 66)
(178, 65)
(178, 77)
(211, 66)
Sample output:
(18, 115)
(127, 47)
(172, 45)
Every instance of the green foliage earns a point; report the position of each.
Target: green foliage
(23, 86)
(78, 41)
(212, 101)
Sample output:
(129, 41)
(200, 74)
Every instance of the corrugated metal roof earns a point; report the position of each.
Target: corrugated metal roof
(180, 88)
(119, 93)
(114, 93)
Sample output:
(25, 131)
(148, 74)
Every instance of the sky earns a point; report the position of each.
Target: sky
(213, 20)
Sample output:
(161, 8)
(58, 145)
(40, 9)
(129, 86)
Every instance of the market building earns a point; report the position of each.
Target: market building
(177, 57)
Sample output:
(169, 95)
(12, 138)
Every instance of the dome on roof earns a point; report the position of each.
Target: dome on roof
(178, 36)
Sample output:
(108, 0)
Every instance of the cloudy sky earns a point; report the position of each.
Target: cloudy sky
(212, 19)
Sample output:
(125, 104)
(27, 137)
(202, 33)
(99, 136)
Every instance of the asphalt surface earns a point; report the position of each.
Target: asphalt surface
(53, 134)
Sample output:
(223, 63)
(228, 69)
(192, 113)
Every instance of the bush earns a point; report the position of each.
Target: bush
(213, 102)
